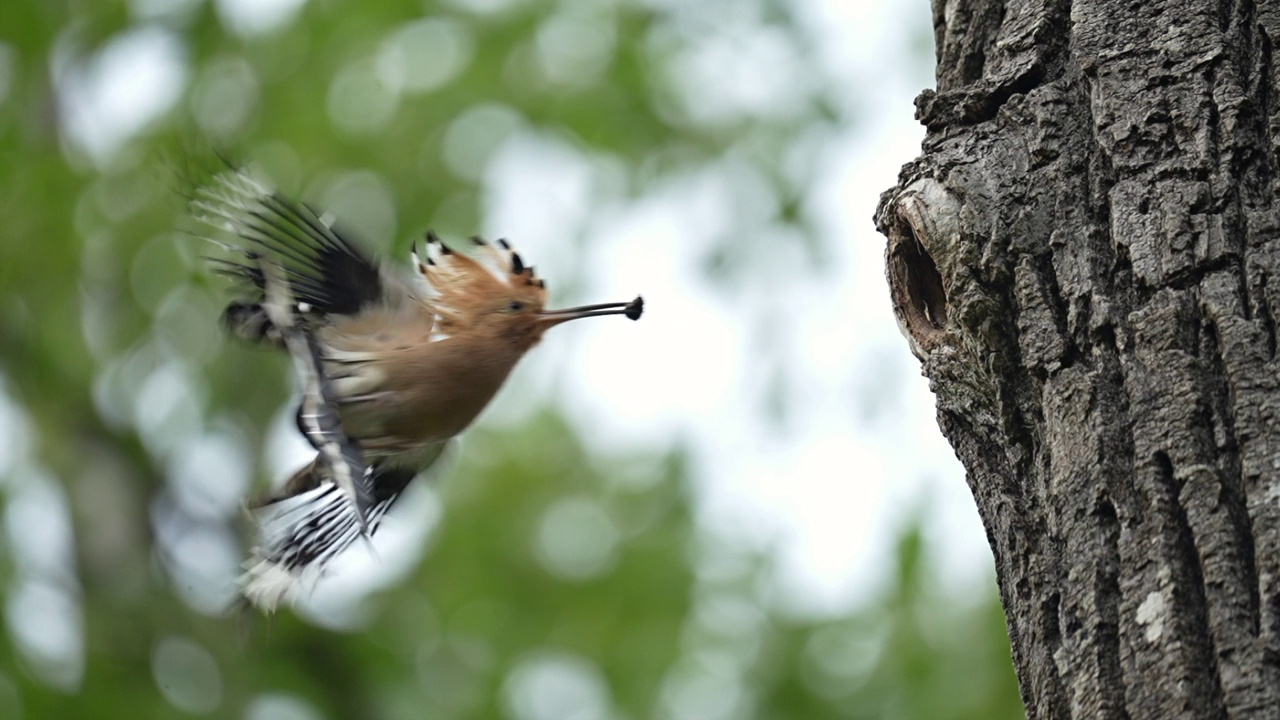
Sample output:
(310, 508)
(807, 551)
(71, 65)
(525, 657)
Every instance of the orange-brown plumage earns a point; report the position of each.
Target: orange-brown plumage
(393, 364)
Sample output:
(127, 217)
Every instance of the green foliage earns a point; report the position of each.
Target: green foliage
(556, 579)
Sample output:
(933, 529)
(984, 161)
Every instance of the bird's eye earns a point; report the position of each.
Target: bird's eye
(515, 306)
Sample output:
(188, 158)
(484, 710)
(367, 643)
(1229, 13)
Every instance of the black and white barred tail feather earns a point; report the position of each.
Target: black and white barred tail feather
(298, 535)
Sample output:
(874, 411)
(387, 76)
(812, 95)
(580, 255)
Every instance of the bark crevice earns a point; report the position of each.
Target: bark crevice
(1098, 198)
(1110, 674)
(1203, 690)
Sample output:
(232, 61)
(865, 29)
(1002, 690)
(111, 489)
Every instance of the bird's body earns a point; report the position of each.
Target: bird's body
(393, 364)
(452, 377)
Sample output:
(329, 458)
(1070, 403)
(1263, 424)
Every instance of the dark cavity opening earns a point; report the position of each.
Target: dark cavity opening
(918, 293)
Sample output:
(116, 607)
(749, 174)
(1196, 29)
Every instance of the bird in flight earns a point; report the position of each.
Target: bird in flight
(393, 362)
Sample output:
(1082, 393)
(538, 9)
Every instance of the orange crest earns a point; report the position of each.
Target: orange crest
(459, 286)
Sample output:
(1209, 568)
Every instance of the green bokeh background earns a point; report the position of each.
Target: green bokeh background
(112, 371)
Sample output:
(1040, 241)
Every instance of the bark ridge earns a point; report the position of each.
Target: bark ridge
(1085, 259)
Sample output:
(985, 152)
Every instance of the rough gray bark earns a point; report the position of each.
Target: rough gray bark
(1086, 258)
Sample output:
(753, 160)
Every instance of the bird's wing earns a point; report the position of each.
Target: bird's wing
(339, 459)
(328, 273)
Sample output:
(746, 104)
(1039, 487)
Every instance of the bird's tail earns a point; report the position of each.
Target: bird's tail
(297, 536)
(311, 522)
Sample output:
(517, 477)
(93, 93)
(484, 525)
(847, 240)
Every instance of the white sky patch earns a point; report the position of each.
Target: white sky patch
(832, 493)
(112, 95)
(673, 373)
(747, 72)
(257, 17)
(540, 218)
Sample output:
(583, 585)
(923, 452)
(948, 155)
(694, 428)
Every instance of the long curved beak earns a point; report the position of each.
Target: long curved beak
(633, 310)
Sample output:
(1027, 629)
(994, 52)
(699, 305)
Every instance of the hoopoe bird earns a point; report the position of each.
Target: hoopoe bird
(394, 363)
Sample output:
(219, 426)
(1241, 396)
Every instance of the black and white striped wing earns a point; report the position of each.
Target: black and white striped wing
(328, 273)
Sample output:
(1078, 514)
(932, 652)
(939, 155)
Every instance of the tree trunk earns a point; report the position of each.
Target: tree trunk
(1086, 258)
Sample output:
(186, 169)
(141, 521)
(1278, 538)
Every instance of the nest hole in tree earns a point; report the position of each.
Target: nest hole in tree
(918, 293)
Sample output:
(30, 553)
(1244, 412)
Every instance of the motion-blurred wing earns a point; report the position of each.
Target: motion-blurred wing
(339, 459)
(327, 273)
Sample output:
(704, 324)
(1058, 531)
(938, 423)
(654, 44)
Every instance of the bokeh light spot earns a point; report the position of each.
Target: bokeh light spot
(556, 685)
(278, 706)
(362, 202)
(257, 17)
(574, 48)
(359, 101)
(424, 55)
(112, 95)
(577, 539)
(224, 95)
(45, 622)
(474, 135)
(187, 675)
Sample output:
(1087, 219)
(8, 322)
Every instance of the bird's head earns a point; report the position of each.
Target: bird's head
(496, 295)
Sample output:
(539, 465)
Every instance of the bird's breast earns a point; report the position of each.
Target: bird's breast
(424, 394)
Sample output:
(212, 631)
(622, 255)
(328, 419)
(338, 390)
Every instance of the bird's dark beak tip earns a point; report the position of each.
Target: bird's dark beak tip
(635, 308)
